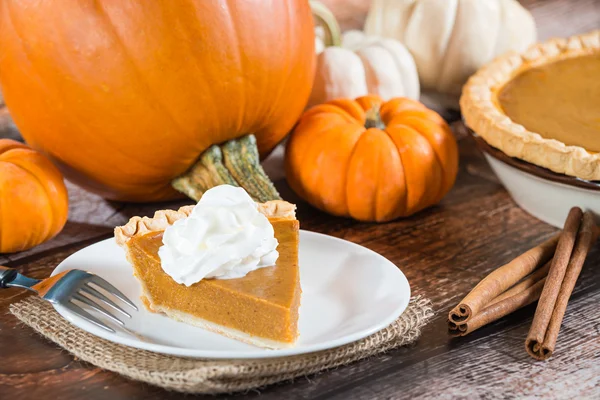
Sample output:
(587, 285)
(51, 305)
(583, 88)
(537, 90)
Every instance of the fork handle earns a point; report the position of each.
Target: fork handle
(7, 275)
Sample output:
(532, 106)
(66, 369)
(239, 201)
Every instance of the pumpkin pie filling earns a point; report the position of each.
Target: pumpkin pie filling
(260, 308)
(559, 100)
(542, 106)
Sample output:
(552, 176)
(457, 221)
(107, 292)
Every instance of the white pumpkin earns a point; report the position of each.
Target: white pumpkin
(451, 39)
(361, 65)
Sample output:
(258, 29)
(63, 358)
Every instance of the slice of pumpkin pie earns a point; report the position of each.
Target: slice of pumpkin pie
(227, 265)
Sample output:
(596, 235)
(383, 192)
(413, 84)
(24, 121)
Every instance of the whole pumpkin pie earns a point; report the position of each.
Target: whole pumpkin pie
(542, 106)
(260, 308)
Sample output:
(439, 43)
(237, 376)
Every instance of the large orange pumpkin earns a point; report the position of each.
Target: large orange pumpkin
(371, 160)
(33, 198)
(125, 95)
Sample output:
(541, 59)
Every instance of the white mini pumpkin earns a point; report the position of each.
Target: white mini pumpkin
(360, 65)
(451, 39)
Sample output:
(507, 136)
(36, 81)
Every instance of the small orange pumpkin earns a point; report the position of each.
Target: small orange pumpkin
(371, 160)
(33, 198)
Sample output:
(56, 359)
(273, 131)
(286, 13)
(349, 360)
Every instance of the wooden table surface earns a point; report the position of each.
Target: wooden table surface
(444, 251)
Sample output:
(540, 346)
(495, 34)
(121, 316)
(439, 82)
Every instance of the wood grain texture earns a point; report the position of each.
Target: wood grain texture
(444, 252)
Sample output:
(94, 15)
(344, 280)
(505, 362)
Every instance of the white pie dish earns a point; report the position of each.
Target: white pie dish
(544, 194)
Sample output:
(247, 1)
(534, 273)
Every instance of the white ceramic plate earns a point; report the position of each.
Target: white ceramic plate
(348, 293)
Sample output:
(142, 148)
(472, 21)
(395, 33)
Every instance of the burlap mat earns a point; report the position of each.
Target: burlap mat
(212, 376)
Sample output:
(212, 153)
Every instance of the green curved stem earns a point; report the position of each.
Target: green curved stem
(326, 19)
(235, 163)
(373, 118)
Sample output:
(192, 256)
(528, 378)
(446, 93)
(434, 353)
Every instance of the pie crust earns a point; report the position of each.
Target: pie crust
(163, 218)
(482, 113)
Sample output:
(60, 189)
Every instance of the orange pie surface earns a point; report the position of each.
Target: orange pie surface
(558, 100)
(260, 308)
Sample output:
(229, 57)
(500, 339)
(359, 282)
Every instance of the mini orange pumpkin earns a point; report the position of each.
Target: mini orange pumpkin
(371, 160)
(33, 198)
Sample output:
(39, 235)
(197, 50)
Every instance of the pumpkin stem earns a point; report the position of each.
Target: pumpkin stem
(373, 118)
(235, 163)
(326, 19)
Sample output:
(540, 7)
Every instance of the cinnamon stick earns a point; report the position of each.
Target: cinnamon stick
(499, 309)
(559, 285)
(502, 279)
(525, 284)
(524, 293)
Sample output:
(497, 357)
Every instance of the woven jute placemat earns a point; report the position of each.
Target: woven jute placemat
(213, 376)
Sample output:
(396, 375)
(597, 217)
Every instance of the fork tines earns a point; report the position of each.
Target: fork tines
(79, 288)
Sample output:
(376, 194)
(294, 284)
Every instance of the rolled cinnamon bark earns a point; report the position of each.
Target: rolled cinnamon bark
(541, 340)
(524, 293)
(525, 284)
(499, 309)
(556, 275)
(502, 279)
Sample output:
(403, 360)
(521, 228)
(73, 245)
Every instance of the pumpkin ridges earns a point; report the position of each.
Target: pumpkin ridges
(369, 101)
(399, 106)
(9, 144)
(404, 62)
(298, 154)
(331, 153)
(444, 145)
(33, 198)
(38, 168)
(421, 114)
(16, 186)
(412, 113)
(422, 171)
(360, 64)
(336, 63)
(46, 230)
(299, 143)
(351, 107)
(376, 186)
(328, 109)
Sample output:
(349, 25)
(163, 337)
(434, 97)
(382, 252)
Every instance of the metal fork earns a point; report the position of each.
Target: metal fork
(71, 289)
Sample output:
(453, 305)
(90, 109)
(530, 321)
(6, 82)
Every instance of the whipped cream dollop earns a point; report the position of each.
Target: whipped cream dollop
(225, 237)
